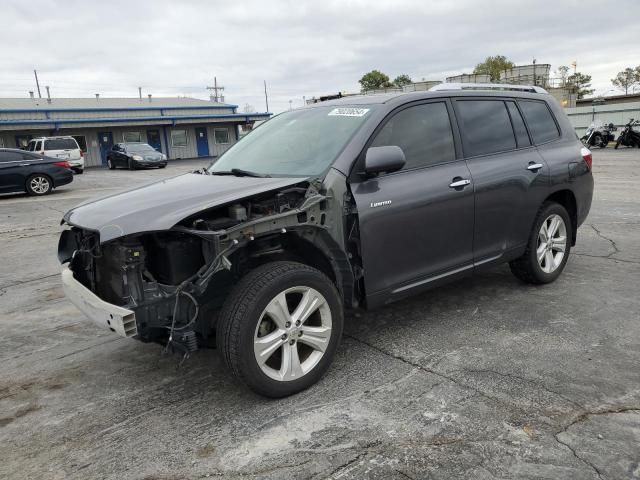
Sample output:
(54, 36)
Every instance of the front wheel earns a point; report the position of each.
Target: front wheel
(110, 164)
(548, 248)
(131, 165)
(280, 327)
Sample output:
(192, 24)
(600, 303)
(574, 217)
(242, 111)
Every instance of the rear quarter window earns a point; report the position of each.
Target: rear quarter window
(542, 125)
(486, 127)
(60, 144)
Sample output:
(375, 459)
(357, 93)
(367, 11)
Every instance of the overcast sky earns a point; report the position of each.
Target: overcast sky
(300, 48)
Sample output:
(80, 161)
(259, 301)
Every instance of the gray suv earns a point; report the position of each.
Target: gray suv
(343, 205)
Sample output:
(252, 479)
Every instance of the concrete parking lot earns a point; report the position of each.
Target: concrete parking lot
(486, 378)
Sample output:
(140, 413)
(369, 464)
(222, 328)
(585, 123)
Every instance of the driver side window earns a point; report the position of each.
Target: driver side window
(424, 134)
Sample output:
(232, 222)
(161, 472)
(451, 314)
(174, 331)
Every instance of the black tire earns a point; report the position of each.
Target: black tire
(242, 310)
(79, 171)
(110, 164)
(161, 166)
(527, 268)
(39, 184)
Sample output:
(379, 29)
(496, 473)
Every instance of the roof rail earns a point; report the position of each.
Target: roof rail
(487, 86)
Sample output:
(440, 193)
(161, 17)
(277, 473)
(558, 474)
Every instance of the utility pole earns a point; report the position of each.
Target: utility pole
(37, 84)
(215, 97)
(266, 99)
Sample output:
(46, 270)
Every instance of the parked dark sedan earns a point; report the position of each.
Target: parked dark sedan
(29, 172)
(135, 155)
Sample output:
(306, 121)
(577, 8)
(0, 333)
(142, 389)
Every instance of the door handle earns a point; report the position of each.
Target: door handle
(460, 183)
(535, 166)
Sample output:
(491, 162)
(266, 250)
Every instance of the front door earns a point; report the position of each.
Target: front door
(153, 139)
(416, 225)
(22, 141)
(202, 142)
(105, 140)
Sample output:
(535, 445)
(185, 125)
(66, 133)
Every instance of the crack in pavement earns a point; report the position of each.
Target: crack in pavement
(612, 242)
(433, 372)
(527, 380)
(606, 257)
(22, 282)
(582, 417)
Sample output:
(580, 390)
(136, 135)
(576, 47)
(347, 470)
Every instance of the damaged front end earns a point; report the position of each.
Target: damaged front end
(167, 286)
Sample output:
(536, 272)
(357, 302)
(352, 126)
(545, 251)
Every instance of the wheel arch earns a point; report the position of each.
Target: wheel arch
(567, 199)
(35, 174)
(311, 246)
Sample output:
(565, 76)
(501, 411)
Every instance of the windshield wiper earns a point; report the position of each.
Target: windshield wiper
(238, 172)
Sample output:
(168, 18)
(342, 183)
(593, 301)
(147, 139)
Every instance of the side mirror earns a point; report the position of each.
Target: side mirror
(383, 159)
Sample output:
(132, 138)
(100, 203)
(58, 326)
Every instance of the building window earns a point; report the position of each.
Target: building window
(221, 135)
(128, 137)
(82, 142)
(179, 138)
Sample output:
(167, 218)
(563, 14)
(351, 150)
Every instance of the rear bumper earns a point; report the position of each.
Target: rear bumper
(77, 163)
(62, 178)
(106, 315)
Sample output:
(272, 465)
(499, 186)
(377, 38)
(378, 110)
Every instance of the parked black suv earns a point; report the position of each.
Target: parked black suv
(347, 204)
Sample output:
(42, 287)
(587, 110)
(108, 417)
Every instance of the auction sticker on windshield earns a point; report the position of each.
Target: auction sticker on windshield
(349, 112)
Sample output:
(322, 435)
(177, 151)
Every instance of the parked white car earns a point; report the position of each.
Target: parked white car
(64, 148)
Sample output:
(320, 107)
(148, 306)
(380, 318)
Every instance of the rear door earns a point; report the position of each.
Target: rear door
(510, 178)
(416, 225)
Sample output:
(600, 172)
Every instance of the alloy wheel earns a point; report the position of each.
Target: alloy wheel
(292, 334)
(39, 185)
(552, 243)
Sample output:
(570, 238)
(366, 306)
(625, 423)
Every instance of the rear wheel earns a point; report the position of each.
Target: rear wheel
(279, 328)
(39, 184)
(548, 248)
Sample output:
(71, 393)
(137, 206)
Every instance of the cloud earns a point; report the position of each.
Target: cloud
(300, 48)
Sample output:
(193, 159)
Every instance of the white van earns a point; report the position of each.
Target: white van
(65, 148)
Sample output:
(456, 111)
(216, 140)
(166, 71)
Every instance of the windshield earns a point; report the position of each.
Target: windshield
(139, 147)
(297, 143)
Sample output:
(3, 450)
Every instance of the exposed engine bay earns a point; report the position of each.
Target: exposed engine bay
(176, 280)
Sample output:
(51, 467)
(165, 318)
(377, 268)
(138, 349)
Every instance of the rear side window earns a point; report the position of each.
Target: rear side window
(522, 137)
(423, 132)
(60, 144)
(39, 145)
(486, 127)
(541, 124)
(10, 157)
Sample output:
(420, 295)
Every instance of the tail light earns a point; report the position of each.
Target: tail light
(586, 156)
(63, 163)
(81, 153)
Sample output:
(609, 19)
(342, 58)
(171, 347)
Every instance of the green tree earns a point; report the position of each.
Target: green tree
(563, 72)
(373, 80)
(627, 78)
(402, 80)
(492, 66)
(581, 83)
